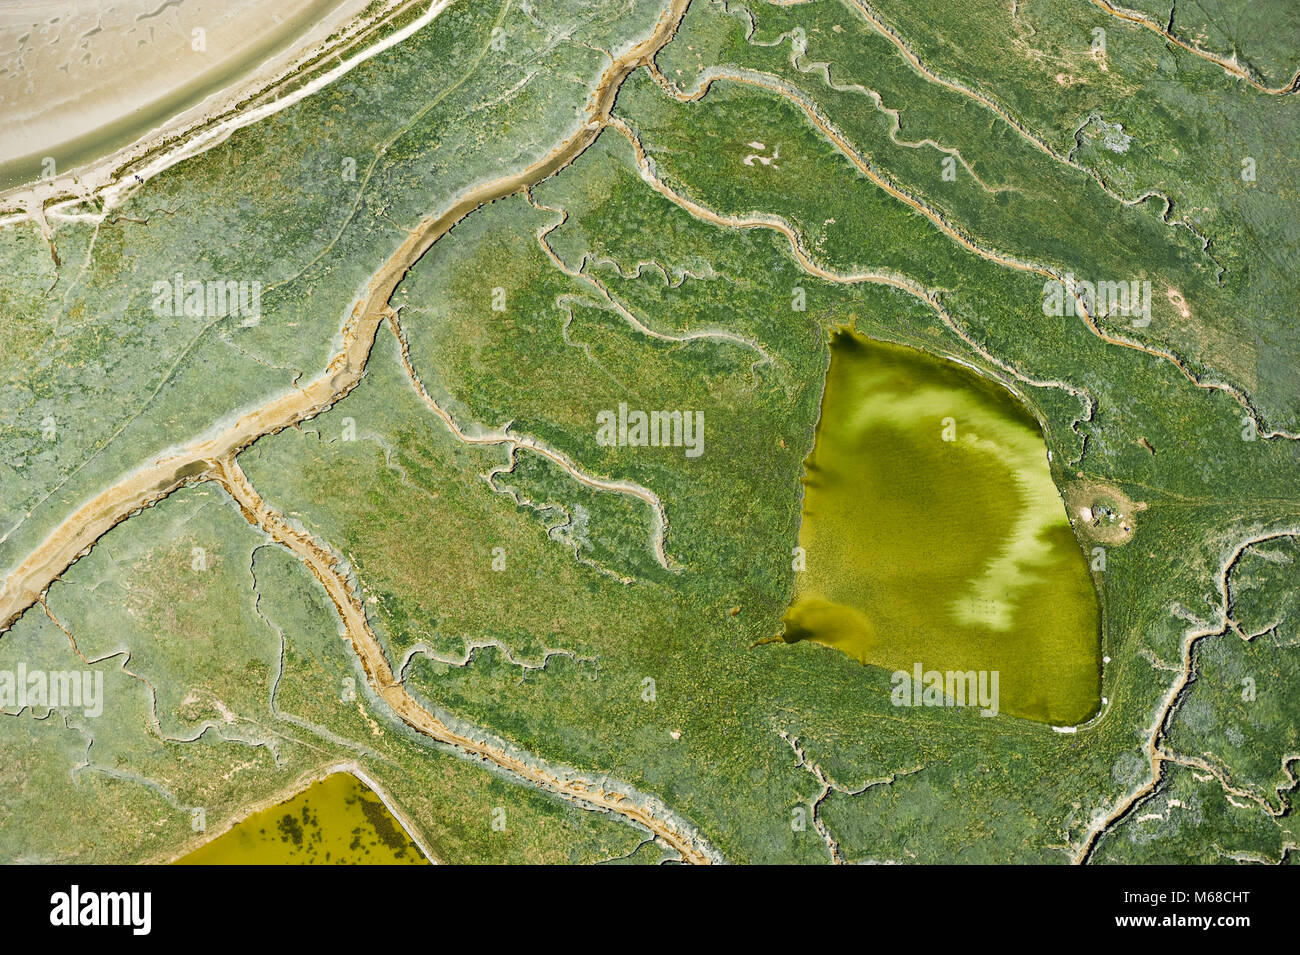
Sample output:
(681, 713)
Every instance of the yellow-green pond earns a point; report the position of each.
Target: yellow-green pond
(335, 821)
(935, 540)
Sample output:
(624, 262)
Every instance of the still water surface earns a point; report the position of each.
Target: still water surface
(934, 534)
(336, 821)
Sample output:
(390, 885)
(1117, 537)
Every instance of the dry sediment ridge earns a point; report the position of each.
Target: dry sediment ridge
(1230, 66)
(324, 566)
(957, 233)
(213, 458)
(197, 461)
(1157, 757)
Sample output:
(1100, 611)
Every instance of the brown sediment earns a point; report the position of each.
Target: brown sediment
(808, 264)
(1230, 66)
(1082, 501)
(197, 461)
(514, 441)
(958, 234)
(325, 567)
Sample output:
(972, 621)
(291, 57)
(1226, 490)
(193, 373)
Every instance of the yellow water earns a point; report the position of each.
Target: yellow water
(934, 535)
(336, 821)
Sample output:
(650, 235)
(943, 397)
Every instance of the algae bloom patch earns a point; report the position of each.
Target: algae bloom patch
(336, 821)
(934, 538)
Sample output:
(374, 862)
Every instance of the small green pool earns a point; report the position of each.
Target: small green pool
(336, 821)
(933, 535)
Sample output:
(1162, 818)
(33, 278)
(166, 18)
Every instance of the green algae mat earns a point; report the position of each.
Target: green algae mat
(933, 535)
(336, 821)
